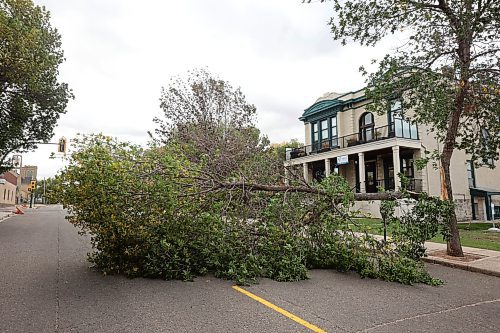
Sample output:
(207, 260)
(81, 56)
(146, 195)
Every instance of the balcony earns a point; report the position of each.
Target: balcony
(398, 129)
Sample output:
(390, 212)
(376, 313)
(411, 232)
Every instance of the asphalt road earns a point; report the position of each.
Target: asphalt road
(46, 285)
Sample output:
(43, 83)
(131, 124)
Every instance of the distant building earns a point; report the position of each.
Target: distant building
(28, 173)
(8, 188)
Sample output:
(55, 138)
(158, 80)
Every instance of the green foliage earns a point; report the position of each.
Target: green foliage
(445, 73)
(31, 98)
(417, 221)
(149, 214)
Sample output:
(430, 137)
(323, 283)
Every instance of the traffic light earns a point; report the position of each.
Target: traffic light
(61, 148)
(29, 189)
(33, 184)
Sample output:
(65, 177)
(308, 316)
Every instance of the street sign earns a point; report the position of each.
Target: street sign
(17, 161)
(61, 148)
(344, 159)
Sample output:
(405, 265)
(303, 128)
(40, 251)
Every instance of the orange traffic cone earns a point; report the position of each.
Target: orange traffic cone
(18, 211)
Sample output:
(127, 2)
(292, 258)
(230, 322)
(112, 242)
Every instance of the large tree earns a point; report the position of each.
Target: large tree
(447, 71)
(31, 97)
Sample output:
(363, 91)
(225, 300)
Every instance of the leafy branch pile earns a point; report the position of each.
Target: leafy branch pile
(154, 213)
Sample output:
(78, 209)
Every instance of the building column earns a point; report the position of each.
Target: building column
(397, 167)
(327, 167)
(306, 172)
(487, 204)
(473, 207)
(423, 173)
(361, 171)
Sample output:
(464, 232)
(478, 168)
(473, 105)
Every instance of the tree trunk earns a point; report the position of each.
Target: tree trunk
(453, 245)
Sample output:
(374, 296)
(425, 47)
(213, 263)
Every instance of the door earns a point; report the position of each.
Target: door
(371, 177)
(388, 174)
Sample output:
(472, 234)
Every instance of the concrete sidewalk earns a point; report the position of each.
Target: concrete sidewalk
(475, 260)
(6, 212)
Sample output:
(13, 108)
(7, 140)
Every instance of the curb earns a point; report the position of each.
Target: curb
(464, 267)
(6, 217)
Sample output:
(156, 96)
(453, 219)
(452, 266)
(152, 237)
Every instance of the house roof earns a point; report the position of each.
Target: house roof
(332, 101)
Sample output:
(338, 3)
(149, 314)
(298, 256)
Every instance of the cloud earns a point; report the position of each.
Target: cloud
(121, 52)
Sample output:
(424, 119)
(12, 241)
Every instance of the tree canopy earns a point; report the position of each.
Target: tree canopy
(447, 71)
(31, 97)
(210, 119)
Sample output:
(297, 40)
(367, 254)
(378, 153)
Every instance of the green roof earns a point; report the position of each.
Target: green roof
(329, 105)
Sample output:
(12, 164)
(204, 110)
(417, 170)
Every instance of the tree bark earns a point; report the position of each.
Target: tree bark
(307, 189)
(453, 245)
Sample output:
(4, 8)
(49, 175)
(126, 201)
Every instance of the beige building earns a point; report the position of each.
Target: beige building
(8, 188)
(369, 150)
(28, 173)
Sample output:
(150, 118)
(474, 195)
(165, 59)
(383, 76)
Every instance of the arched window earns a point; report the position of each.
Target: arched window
(366, 125)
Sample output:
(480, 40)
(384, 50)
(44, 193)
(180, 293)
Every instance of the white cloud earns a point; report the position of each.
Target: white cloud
(121, 52)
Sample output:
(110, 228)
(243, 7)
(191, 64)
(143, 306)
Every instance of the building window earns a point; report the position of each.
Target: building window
(325, 144)
(470, 174)
(401, 127)
(489, 161)
(324, 134)
(315, 136)
(333, 124)
(366, 125)
(407, 167)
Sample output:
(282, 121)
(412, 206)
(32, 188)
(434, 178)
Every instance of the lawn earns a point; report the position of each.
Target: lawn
(472, 235)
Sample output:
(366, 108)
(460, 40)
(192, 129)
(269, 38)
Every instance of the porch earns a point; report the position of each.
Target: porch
(373, 171)
(369, 168)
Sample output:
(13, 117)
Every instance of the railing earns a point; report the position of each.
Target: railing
(496, 213)
(397, 129)
(414, 185)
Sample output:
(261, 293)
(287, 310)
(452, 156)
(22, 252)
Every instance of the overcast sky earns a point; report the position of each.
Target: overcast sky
(121, 52)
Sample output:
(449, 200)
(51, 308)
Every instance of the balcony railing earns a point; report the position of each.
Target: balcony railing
(394, 130)
(414, 185)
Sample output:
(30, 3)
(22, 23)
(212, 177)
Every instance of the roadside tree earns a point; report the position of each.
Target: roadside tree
(447, 71)
(31, 97)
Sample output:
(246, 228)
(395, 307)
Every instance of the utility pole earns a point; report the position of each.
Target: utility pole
(18, 165)
(44, 201)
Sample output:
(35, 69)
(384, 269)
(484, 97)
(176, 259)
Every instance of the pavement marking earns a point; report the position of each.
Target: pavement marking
(429, 314)
(280, 310)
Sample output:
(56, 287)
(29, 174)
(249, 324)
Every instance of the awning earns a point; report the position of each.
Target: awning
(486, 193)
(483, 191)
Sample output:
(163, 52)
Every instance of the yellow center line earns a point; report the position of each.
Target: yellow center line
(280, 310)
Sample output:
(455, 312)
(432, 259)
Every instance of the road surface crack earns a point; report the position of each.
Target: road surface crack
(429, 314)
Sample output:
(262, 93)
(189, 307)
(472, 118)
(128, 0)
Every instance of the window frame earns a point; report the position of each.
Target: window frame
(317, 128)
(365, 128)
(406, 128)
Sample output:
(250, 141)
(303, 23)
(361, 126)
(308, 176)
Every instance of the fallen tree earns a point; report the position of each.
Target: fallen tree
(153, 213)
